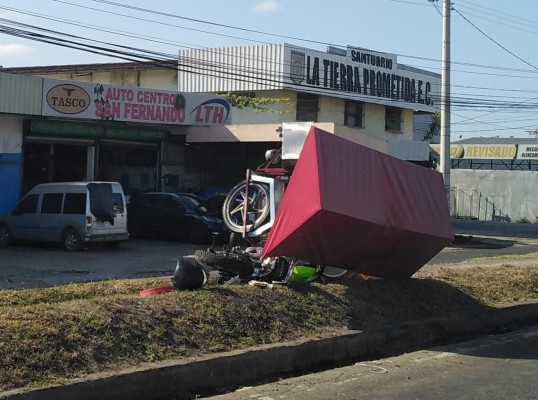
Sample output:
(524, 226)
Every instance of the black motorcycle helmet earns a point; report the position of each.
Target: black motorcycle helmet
(189, 275)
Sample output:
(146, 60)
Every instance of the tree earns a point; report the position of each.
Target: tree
(242, 101)
(434, 127)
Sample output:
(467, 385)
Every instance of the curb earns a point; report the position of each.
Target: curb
(495, 228)
(185, 380)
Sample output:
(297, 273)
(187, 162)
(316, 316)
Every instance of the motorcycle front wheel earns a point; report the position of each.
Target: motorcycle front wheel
(256, 202)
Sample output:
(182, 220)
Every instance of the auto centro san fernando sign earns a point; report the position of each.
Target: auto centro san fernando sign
(362, 74)
(95, 101)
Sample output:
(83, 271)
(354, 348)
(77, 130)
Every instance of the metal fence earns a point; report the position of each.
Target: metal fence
(469, 203)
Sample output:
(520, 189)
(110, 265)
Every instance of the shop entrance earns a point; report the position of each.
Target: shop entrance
(134, 165)
(53, 162)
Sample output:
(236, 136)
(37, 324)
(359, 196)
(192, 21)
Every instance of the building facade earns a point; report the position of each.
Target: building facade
(362, 95)
(57, 130)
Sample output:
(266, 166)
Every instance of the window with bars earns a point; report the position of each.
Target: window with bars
(393, 119)
(307, 107)
(353, 116)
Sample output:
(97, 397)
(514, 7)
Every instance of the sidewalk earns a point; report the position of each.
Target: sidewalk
(490, 228)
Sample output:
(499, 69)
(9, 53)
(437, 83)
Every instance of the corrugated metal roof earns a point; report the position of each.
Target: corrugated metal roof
(497, 140)
(84, 68)
(232, 69)
(20, 94)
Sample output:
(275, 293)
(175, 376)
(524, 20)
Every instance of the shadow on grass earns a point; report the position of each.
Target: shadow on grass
(378, 303)
(375, 302)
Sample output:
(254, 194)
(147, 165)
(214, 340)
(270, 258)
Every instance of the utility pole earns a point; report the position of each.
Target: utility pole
(445, 100)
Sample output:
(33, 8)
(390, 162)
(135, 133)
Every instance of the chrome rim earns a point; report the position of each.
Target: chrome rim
(257, 204)
(71, 241)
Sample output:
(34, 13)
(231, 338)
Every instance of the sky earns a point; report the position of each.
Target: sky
(494, 62)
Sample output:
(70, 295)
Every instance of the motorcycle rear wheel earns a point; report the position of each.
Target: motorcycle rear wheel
(231, 263)
(334, 273)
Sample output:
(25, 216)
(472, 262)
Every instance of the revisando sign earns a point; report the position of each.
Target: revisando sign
(480, 151)
(489, 151)
(95, 101)
(456, 150)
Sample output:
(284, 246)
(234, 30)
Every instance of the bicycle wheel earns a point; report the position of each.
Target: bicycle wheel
(257, 207)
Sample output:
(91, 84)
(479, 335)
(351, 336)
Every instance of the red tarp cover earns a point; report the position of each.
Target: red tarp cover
(353, 207)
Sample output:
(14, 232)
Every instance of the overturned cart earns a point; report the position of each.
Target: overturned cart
(352, 207)
(338, 206)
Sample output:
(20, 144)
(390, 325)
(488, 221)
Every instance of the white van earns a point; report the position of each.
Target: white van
(73, 213)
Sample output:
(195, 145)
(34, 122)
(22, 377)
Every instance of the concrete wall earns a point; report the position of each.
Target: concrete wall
(514, 193)
(269, 133)
(331, 111)
(374, 123)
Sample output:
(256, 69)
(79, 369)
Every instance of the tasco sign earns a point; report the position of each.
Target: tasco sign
(95, 101)
(362, 74)
(68, 99)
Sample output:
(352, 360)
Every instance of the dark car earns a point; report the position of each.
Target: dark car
(173, 216)
(214, 203)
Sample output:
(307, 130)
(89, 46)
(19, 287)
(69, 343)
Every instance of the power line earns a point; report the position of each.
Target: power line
(159, 40)
(494, 41)
(134, 54)
(501, 15)
(160, 13)
(130, 53)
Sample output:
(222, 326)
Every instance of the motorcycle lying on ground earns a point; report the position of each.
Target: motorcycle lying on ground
(242, 266)
(247, 266)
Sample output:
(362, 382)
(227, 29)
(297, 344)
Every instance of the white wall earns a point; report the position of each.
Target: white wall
(234, 133)
(10, 133)
(515, 193)
(331, 109)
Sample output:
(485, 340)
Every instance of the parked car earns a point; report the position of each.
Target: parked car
(214, 202)
(173, 216)
(73, 213)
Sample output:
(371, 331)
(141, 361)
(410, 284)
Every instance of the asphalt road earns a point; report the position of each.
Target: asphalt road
(493, 367)
(466, 247)
(26, 266)
(30, 266)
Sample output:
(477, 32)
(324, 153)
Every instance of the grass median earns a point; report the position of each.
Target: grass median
(51, 335)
